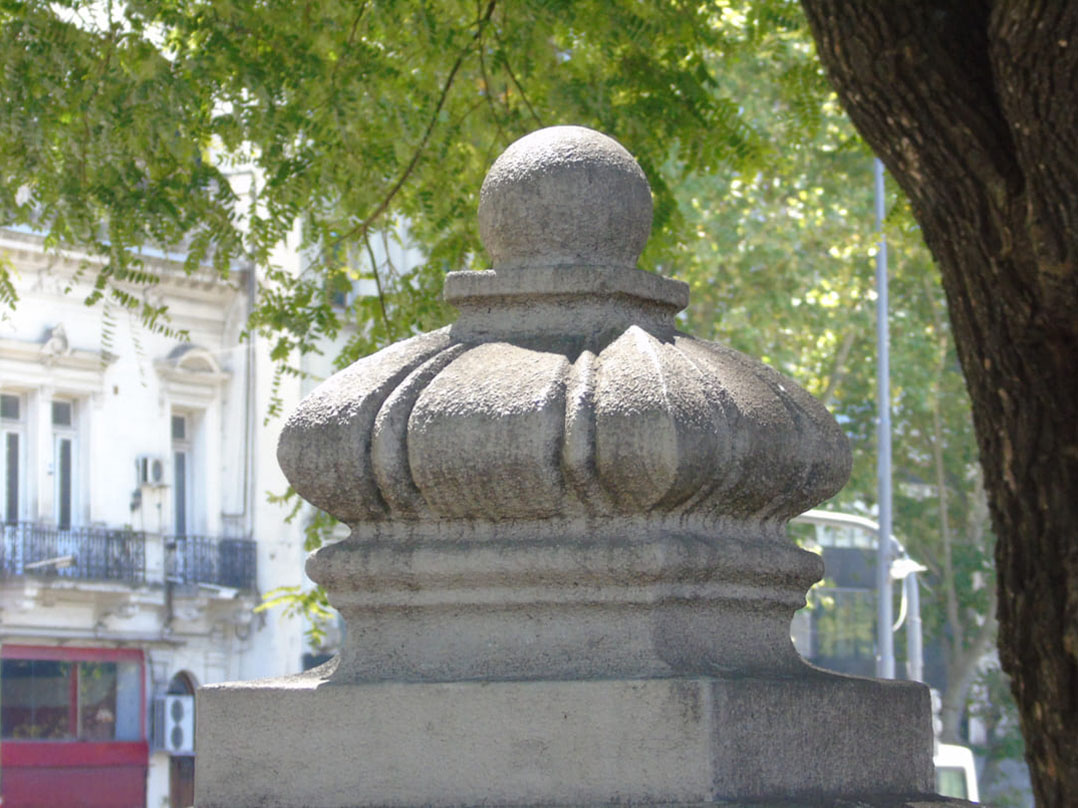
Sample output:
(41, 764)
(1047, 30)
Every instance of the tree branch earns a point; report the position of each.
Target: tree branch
(361, 229)
(487, 88)
(390, 335)
(516, 82)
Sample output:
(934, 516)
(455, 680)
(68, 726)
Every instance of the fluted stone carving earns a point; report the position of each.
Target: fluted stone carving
(567, 581)
(562, 449)
(505, 426)
(564, 389)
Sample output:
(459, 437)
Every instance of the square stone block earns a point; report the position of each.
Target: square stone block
(307, 741)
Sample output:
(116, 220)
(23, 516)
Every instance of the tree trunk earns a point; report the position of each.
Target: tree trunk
(974, 110)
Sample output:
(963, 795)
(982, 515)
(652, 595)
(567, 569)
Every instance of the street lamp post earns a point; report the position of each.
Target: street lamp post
(914, 633)
(885, 649)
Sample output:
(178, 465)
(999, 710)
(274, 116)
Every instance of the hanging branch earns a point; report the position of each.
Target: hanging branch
(363, 227)
(390, 335)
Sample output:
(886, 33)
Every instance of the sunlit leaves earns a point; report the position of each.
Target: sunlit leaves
(122, 121)
(781, 264)
(366, 121)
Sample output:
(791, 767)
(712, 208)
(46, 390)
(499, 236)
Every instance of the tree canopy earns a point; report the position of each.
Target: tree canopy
(121, 125)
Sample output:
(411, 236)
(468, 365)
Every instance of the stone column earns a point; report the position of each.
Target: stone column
(568, 580)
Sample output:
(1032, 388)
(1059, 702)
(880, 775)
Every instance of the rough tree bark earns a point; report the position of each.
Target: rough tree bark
(973, 107)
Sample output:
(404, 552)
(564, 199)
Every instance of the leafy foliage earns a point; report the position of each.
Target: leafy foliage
(123, 127)
(782, 267)
(120, 126)
(295, 601)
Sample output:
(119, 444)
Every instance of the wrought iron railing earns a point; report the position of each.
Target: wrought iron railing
(93, 554)
(107, 554)
(210, 560)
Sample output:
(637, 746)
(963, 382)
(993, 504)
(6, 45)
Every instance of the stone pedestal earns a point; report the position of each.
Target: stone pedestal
(568, 581)
(574, 743)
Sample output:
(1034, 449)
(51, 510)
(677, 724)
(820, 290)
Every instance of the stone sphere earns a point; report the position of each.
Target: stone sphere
(565, 195)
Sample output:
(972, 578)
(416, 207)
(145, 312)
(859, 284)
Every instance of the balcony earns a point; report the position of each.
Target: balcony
(88, 554)
(126, 556)
(208, 560)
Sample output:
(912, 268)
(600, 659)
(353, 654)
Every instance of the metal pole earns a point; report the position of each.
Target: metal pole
(914, 638)
(885, 653)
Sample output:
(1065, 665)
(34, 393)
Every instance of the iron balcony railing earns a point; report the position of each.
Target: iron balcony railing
(89, 554)
(208, 560)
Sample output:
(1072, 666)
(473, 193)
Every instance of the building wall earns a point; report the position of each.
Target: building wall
(126, 386)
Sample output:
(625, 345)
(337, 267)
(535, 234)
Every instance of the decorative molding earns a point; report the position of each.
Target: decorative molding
(26, 249)
(191, 375)
(54, 363)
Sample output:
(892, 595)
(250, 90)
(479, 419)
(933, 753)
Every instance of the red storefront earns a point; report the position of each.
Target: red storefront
(73, 727)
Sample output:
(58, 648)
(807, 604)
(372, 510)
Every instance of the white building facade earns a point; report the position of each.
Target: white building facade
(137, 537)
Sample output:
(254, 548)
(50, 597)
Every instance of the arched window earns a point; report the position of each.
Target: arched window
(182, 684)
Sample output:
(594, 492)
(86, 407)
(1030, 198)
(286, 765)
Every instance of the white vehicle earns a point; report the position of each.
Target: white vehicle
(956, 775)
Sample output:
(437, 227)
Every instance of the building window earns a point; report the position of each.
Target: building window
(50, 699)
(181, 475)
(35, 704)
(64, 447)
(13, 463)
(72, 724)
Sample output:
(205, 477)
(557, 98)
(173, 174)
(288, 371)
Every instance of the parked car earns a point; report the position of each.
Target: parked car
(956, 775)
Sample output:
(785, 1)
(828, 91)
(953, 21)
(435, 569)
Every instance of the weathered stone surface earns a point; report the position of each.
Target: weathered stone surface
(593, 406)
(565, 195)
(563, 417)
(327, 445)
(695, 741)
(564, 388)
(563, 600)
(567, 581)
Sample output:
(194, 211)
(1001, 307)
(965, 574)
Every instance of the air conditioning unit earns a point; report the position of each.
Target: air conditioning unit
(149, 470)
(174, 724)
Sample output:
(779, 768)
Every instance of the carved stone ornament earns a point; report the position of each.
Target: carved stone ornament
(568, 581)
(561, 484)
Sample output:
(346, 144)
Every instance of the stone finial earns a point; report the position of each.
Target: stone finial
(563, 411)
(564, 389)
(565, 196)
(567, 581)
